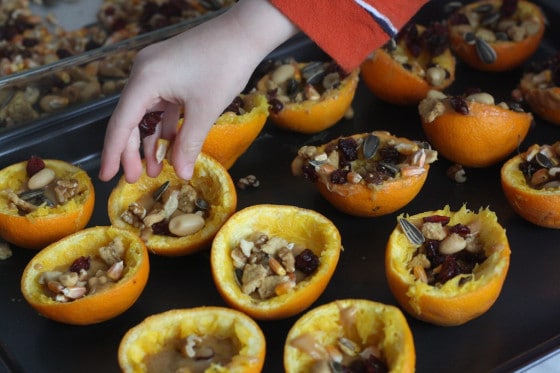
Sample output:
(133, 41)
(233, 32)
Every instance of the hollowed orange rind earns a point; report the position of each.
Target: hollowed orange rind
(210, 178)
(509, 54)
(94, 308)
(450, 304)
(150, 336)
(538, 206)
(232, 134)
(389, 80)
(301, 226)
(312, 116)
(45, 225)
(544, 102)
(365, 322)
(483, 137)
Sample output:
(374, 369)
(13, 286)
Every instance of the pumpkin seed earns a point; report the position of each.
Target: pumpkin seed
(371, 144)
(484, 51)
(159, 192)
(412, 232)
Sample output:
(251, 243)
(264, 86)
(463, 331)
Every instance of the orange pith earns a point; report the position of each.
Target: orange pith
(381, 326)
(210, 178)
(300, 226)
(46, 224)
(232, 134)
(312, 116)
(451, 303)
(93, 308)
(148, 337)
(509, 54)
(483, 137)
(366, 199)
(538, 206)
(389, 80)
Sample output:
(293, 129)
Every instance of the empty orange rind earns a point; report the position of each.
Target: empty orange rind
(347, 333)
(404, 70)
(447, 267)
(200, 339)
(274, 261)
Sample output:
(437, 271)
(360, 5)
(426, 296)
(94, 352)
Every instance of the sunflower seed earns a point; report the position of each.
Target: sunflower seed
(452, 6)
(159, 192)
(469, 38)
(543, 160)
(202, 204)
(371, 143)
(412, 232)
(484, 8)
(313, 72)
(391, 45)
(485, 52)
(490, 19)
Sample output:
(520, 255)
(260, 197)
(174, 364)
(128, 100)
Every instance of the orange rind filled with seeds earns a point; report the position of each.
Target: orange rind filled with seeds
(349, 333)
(472, 129)
(368, 174)
(87, 277)
(42, 201)
(173, 216)
(404, 70)
(274, 261)
(496, 35)
(531, 184)
(200, 339)
(447, 267)
(308, 97)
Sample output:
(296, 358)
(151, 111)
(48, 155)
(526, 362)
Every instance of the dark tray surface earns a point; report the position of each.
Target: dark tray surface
(521, 327)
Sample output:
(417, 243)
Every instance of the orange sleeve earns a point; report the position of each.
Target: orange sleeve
(348, 30)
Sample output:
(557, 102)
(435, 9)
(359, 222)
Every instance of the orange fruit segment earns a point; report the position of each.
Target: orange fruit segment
(37, 226)
(216, 200)
(367, 174)
(172, 340)
(457, 273)
(334, 333)
(531, 184)
(308, 97)
(94, 306)
(285, 231)
(403, 75)
(473, 130)
(233, 132)
(492, 35)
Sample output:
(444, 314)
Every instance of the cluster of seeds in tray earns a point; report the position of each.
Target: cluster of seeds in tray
(541, 166)
(487, 23)
(86, 275)
(269, 266)
(43, 188)
(172, 210)
(291, 82)
(444, 251)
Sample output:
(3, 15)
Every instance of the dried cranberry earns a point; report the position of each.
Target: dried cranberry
(148, 123)
(29, 42)
(82, 262)
(276, 105)
(161, 228)
(339, 176)
(508, 8)
(449, 269)
(307, 261)
(431, 250)
(436, 38)
(442, 219)
(460, 229)
(309, 172)
(459, 104)
(34, 165)
(348, 149)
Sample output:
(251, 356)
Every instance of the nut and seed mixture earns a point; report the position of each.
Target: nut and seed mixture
(344, 356)
(193, 354)
(541, 166)
(419, 51)
(491, 23)
(289, 82)
(269, 266)
(172, 210)
(444, 251)
(43, 188)
(371, 160)
(437, 103)
(86, 275)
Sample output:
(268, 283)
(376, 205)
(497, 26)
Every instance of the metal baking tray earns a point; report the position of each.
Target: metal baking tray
(521, 330)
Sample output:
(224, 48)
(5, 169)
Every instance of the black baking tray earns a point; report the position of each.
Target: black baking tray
(520, 329)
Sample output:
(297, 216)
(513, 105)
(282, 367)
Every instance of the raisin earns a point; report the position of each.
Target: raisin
(34, 165)
(161, 228)
(276, 105)
(148, 123)
(389, 154)
(235, 106)
(461, 229)
(508, 8)
(307, 261)
(80, 263)
(309, 172)
(431, 250)
(339, 176)
(348, 148)
(449, 269)
(459, 104)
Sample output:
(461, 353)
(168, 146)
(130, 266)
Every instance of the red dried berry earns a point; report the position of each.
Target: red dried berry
(34, 165)
(147, 125)
(307, 261)
(444, 220)
(80, 263)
